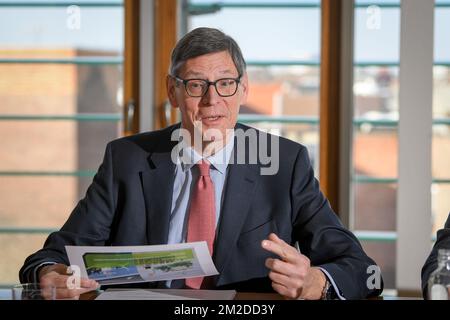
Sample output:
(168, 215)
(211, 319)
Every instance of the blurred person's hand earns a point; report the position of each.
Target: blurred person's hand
(56, 275)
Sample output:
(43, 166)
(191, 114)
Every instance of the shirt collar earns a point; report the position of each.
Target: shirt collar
(218, 160)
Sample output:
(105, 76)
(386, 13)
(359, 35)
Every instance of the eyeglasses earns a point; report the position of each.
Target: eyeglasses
(225, 87)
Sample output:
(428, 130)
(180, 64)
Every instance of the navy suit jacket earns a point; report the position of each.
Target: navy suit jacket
(129, 203)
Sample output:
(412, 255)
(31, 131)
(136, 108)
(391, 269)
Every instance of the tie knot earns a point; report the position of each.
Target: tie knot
(203, 166)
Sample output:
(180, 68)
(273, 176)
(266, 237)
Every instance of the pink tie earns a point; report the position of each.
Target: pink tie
(202, 217)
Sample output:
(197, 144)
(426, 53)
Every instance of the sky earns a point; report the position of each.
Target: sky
(261, 33)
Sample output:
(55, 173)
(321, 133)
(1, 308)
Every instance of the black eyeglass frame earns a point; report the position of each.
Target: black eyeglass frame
(209, 83)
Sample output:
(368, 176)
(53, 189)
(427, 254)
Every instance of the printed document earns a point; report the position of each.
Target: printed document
(128, 264)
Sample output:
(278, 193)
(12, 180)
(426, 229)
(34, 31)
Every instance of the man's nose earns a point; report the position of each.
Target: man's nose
(211, 96)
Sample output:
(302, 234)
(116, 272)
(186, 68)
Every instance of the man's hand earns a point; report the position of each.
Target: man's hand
(56, 275)
(292, 276)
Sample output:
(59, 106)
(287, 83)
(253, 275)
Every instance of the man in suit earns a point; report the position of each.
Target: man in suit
(431, 264)
(163, 187)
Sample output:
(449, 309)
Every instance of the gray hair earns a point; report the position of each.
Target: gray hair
(202, 41)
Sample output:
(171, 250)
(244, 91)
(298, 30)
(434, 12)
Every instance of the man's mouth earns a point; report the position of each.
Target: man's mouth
(211, 118)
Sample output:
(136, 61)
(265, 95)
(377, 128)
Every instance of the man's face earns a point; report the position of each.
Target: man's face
(210, 111)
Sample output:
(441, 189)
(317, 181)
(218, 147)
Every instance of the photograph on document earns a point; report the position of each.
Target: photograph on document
(115, 265)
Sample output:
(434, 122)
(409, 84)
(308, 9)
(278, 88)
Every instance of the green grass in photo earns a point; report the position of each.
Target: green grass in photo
(128, 259)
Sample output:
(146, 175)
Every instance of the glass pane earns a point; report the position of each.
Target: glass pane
(441, 95)
(378, 2)
(92, 139)
(375, 152)
(375, 138)
(39, 202)
(374, 161)
(316, 2)
(43, 89)
(44, 92)
(440, 205)
(306, 134)
(441, 111)
(277, 91)
(374, 26)
(376, 205)
(384, 255)
(376, 93)
(283, 91)
(293, 34)
(441, 152)
(14, 250)
(441, 92)
(57, 28)
(54, 145)
(442, 33)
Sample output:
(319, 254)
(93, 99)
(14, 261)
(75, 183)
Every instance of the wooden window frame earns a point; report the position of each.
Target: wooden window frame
(332, 94)
(131, 68)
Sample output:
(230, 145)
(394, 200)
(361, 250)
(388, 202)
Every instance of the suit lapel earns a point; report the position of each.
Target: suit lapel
(157, 185)
(240, 190)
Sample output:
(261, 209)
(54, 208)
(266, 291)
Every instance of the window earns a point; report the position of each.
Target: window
(283, 62)
(441, 118)
(61, 93)
(375, 139)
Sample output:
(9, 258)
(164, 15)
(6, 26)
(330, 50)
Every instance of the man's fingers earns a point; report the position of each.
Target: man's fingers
(88, 283)
(284, 291)
(283, 250)
(276, 239)
(62, 282)
(288, 274)
(275, 248)
(282, 267)
(54, 279)
(288, 282)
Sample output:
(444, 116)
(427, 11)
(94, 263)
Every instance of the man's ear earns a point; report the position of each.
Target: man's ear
(245, 88)
(170, 86)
